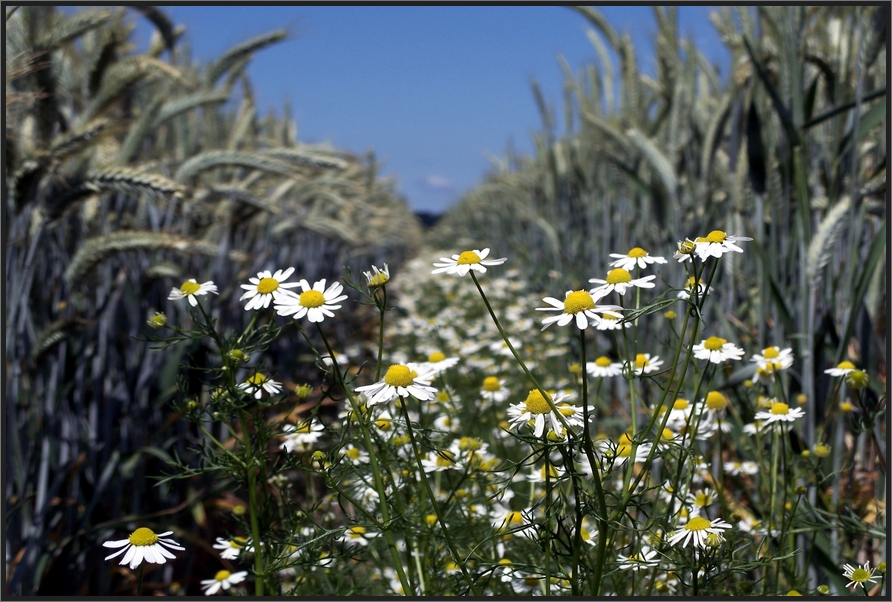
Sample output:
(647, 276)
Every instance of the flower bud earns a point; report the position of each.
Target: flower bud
(821, 450)
(823, 590)
(670, 315)
(319, 456)
(159, 320)
(857, 380)
(238, 510)
(881, 568)
(239, 356)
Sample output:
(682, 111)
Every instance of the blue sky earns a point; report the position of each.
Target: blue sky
(430, 89)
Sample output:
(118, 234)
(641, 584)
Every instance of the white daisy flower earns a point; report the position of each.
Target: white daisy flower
(401, 380)
(438, 461)
(266, 287)
(636, 257)
(700, 500)
(604, 368)
(779, 412)
(736, 468)
(316, 303)
(642, 560)
(298, 437)
(538, 475)
(230, 548)
(355, 455)
(774, 358)
(224, 580)
(578, 306)
(754, 427)
(377, 277)
(465, 262)
(438, 362)
(690, 287)
(515, 521)
(191, 289)
(258, 382)
(717, 350)
(621, 450)
(858, 576)
(356, 536)
(685, 250)
(680, 414)
(535, 409)
(696, 530)
(610, 322)
(144, 544)
(619, 280)
(494, 390)
(842, 369)
(716, 244)
(645, 364)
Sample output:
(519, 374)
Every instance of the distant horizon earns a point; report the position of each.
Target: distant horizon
(432, 90)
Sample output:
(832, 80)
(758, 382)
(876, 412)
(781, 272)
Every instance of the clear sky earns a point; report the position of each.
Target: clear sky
(430, 89)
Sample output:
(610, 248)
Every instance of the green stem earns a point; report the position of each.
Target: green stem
(362, 419)
(253, 510)
(430, 494)
(142, 568)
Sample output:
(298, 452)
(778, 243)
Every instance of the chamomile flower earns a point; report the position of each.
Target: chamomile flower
(604, 368)
(773, 359)
(578, 306)
(685, 250)
(494, 390)
(438, 461)
(354, 455)
(258, 382)
(230, 548)
(842, 369)
(645, 364)
(621, 451)
(700, 500)
(534, 410)
(858, 576)
(736, 468)
(690, 287)
(717, 350)
(619, 280)
(636, 257)
(697, 530)
(356, 536)
(305, 433)
(144, 544)
(401, 380)
(780, 412)
(438, 362)
(716, 244)
(465, 262)
(377, 277)
(191, 289)
(266, 287)
(645, 559)
(538, 475)
(611, 322)
(222, 580)
(315, 303)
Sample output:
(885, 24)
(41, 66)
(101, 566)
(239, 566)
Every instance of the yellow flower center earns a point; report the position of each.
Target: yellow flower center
(860, 575)
(491, 384)
(312, 298)
(578, 301)
(846, 365)
(445, 458)
(822, 451)
(680, 404)
(846, 406)
(618, 276)
(770, 353)
(353, 453)
(442, 396)
(641, 361)
(384, 424)
(530, 581)
(436, 357)
(399, 376)
(698, 523)
(686, 246)
(378, 279)
(237, 542)
(222, 575)
(566, 410)
(637, 252)
(467, 258)
(190, 288)
(714, 343)
(603, 361)
(257, 378)
(143, 537)
(552, 472)
(536, 404)
(514, 518)
(780, 408)
(430, 519)
(667, 434)
(267, 285)
(357, 532)
(702, 499)
(716, 236)
(469, 444)
(303, 428)
(716, 401)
